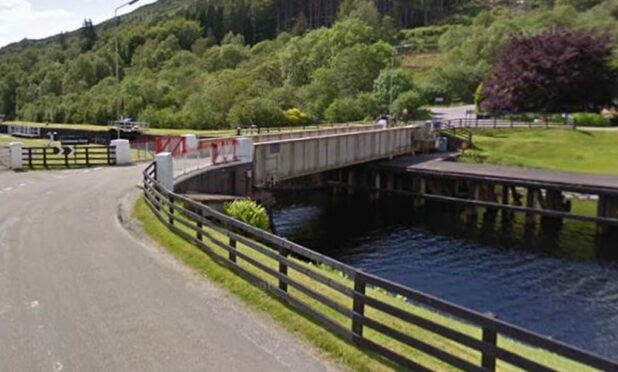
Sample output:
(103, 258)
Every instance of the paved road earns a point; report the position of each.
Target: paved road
(452, 113)
(79, 293)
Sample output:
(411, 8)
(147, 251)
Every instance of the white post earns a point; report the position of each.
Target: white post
(245, 149)
(123, 151)
(165, 170)
(191, 142)
(16, 155)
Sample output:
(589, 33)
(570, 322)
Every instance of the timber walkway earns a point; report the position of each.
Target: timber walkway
(533, 191)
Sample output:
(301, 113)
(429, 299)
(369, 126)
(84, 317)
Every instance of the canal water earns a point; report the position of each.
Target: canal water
(561, 283)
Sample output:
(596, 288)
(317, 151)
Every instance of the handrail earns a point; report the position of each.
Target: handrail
(174, 210)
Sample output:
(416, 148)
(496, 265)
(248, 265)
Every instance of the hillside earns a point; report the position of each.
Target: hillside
(218, 64)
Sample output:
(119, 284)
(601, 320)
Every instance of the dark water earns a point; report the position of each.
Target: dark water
(562, 283)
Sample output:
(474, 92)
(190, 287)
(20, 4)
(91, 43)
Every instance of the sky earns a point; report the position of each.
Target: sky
(36, 19)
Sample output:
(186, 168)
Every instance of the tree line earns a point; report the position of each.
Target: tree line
(211, 66)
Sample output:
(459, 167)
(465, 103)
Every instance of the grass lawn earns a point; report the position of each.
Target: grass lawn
(558, 149)
(6, 140)
(420, 64)
(302, 326)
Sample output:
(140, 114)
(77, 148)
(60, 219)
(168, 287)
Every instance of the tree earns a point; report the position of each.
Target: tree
(553, 72)
(390, 84)
(88, 35)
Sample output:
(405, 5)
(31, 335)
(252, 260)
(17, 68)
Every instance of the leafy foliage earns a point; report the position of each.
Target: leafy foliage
(557, 71)
(216, 64)
(249, 212)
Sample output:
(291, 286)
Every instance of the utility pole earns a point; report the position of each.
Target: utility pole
(119, 87)
(392, 73)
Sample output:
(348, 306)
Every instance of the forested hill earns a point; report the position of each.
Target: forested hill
(220, 63)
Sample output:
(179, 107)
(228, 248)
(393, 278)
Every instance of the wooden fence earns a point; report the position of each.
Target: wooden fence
(362, 308)
(78, 156)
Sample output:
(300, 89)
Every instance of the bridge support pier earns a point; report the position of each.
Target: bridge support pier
(531, 202)
(608, 208)
(419, 186)
(473, 194)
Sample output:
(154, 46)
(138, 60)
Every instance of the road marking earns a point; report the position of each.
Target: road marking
(58, 367)
(7, 189)
(34, 304)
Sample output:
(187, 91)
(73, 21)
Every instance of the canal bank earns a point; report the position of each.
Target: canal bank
(562, 283)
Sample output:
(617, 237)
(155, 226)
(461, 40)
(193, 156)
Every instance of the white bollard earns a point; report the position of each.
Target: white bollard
(123, 151)
(15, 149)
(245, 149)
(165, 170)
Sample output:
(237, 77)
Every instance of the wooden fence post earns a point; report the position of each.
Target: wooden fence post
(490, 336)
(358, 305)
(171, 208)
(234, 245)
(30, 158)
(87, 157)
(199, 224)
(283, 269)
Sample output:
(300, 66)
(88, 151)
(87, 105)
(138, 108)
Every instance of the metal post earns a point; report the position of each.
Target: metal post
(119, 98)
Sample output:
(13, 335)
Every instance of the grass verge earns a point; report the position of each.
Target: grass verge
(558, 149)
(339, 350)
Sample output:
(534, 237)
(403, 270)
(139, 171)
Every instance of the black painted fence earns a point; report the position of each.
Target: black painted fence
(222, 238)
(83, 156)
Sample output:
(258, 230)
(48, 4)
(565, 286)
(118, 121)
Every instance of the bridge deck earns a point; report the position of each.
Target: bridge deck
(566, 181)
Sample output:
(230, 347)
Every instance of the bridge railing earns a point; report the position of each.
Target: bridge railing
(405, 326)
(204, 154)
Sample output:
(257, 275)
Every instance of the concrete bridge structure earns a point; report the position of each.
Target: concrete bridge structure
(230, 167)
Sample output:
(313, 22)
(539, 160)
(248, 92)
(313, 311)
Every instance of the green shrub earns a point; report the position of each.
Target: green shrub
(588, 119)
(409, 102)
(295, 116)
(248, 212)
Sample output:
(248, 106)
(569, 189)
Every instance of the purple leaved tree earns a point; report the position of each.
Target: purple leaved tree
(560, 71)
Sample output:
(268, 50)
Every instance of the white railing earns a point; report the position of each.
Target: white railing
(24, 131)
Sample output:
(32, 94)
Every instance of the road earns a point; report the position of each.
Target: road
(78, 292)
(452, 112)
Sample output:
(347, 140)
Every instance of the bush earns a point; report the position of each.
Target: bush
(409, 102)
(344, 110)
(248, 212)
(295, 117)
(587, 119)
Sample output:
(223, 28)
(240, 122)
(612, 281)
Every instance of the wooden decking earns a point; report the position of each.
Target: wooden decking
(434, 165)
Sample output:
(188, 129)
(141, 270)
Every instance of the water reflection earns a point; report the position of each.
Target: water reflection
(557, 281)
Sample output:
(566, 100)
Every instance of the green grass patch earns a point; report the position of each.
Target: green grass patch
(5, 140)
(304, 327)
(558, 149)
(420, 64)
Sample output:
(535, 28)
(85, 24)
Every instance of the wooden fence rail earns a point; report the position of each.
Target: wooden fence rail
(342, 307)
(82, 156)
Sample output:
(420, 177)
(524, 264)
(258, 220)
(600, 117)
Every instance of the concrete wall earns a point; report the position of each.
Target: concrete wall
(226, 179)
(283, 160)
(315, 132)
